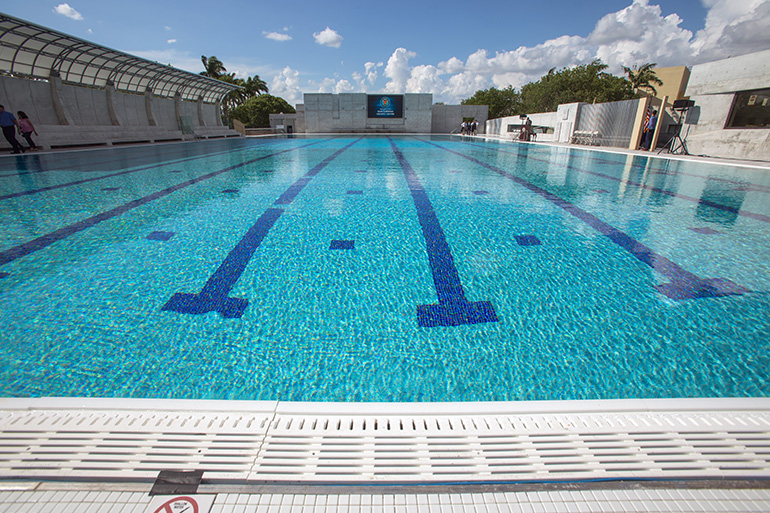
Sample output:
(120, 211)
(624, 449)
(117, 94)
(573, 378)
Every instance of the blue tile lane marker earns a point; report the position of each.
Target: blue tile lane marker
(110, 189)
(480, 193)
(684, 284)
(4, 274)
(103, 177)
(342, 244)
(705, 231)
(527, 240)
(355, 193)
(22, 250)
(230, 191)
(161, 236)
(452, 308)
(700, 201)
(215, 295)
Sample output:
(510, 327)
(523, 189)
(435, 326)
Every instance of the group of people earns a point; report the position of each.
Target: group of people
(469, 128)
(10, 125)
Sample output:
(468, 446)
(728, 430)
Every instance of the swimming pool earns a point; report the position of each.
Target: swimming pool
(381, 269)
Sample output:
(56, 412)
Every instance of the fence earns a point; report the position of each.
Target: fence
(606, 124)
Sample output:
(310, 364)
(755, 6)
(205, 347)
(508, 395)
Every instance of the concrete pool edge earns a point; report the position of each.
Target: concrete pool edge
(320, 443)
(698, 404)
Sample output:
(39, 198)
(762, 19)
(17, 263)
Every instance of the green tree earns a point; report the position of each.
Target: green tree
(255, 112)
(586, 83)
(502, 102)
(643, 77)
(213, 67)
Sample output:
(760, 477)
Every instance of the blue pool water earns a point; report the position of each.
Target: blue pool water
(381, 269)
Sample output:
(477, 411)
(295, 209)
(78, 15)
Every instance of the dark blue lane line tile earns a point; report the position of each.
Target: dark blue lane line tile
(110, 189)
(705, 231)
(456, 172)
(21, 250)
(601, 191)
(684, 284)
(176, 171)
(480, 193)
(342, 244)
(95, 178)
(171, 156)
(215, 295)
(268, 170)
(527, 240)
(4, 274)
(291, 193)
(453, 309)
(356, 192)
(230, 191)
(361, 170)
(701, 201)
(671, 172)
(162, 236)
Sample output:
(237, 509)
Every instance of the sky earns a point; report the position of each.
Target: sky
(449, 48)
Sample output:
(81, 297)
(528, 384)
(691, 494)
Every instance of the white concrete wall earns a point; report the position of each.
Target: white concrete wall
(87, 109)
(713, 86)
(31, 96)
(347, 112)
(499, 126)
(448, 118)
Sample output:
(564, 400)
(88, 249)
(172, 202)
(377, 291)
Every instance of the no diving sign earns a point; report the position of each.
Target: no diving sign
(181, 504)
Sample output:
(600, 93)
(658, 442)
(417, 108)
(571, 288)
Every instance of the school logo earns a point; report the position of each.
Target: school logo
(384, 102)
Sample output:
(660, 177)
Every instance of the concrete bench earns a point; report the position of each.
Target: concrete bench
(58, 136)
(211, 132)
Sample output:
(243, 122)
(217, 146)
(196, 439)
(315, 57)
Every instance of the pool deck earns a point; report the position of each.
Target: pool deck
(613, 455)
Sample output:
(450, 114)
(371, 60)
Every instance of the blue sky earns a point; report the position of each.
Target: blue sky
(448, 48)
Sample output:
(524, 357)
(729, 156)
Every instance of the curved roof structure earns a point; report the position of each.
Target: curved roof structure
(33, 51)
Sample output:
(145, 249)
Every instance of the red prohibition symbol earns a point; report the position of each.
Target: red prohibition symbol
(187, 505)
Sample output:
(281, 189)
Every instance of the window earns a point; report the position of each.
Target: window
(751, 109)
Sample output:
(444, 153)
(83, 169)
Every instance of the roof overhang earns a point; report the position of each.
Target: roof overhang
(32, 51)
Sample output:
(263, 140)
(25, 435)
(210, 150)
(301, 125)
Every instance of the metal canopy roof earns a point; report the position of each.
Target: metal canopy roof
(33, 51)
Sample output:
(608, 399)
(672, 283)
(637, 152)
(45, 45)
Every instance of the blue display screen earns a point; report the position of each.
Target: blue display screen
(385, 106)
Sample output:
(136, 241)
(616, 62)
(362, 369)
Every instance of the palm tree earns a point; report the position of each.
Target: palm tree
(643, 77)
(213, 67)
(255, 85)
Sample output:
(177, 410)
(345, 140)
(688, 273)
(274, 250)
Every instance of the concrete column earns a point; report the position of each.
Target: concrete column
(61, 113)
(178, 110)
(636, 135)
(219, 112)
(148, 107)
(201, 122)
(109, 88)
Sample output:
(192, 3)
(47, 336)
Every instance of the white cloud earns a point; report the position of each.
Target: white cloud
(734, 27)
(398, 70)
(69, 12)
(277, 36)
(453, 65)
(424, 79)
(89, 31)
(171, 41)
(166, 27)
(286, 85)
(328, 37)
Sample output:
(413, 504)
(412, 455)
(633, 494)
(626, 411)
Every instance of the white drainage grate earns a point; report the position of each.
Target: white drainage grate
(515, 448)
(350, 443)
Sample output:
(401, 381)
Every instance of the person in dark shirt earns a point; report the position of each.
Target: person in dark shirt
(9, 124)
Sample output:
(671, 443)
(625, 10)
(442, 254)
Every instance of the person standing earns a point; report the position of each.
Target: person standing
(649, 129)
(528, 129)
(27, 128)
(9, 123)
(474, 127)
